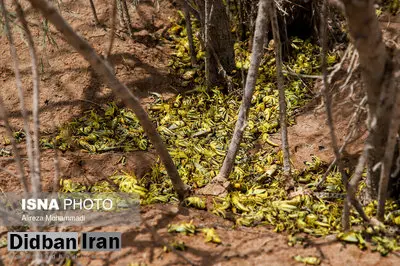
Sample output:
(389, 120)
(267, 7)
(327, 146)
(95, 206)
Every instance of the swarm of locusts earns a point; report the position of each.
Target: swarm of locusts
(197, 128)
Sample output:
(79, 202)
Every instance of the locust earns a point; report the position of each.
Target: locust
(197, 127)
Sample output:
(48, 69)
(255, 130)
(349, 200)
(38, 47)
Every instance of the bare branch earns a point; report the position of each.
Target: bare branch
(112, 30)
(258, 46)
(57, 171)
(366, 36)
(36, 180)
(189, 33)
(339, 65)
(93, 8)
(207, 41)
(389, 151)
(128, 23)
(17, 156)
(352, 190)
(104, 71)
(280, 79)
(24, 113)
(353, 123)
(8, 172)
(301, 75)
(193, 10)
(326, 93)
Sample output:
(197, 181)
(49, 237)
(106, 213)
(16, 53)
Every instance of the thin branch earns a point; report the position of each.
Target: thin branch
(112, 30)
(350, 70)
(57, 169)
(301, 75)
(9, 172)
(17, 156)
(352, 190)
(353, 123)
(207, 41)
(189, 33)
(193, 10)
(93, 8)
(339, 65)
(36, 179)
(57, 172)
(128, 23)
(389, 151)
(24, 113)
(104, 71)
(121, 14)
(326, 93)
(282, 100)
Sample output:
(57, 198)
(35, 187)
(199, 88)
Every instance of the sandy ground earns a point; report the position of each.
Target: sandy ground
(69, 87)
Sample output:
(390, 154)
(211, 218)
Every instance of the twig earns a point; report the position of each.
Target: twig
(89, 101)
(390, 146)
(282, 100)
(352, 123)
(352, 66)
(339, 65)
(207, 41)
(3, 112)
(36, 184)
(93, 8)
(189, 33)
(352, 190)
(57, 170)
(301, 75)
(326, 93)
(8, 172)
(127, 16)
(193, 10)
(112, 30)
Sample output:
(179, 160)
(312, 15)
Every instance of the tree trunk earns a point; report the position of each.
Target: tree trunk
(389, 152)
(258, 47)
(102, 69)
(280, 81)
(367, 38)
(189, 33)
(220, 39)
(207, 44)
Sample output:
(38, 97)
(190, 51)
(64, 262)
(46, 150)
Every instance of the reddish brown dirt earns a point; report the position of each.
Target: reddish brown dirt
(69, 87)
(310, 136)
(144, 244)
